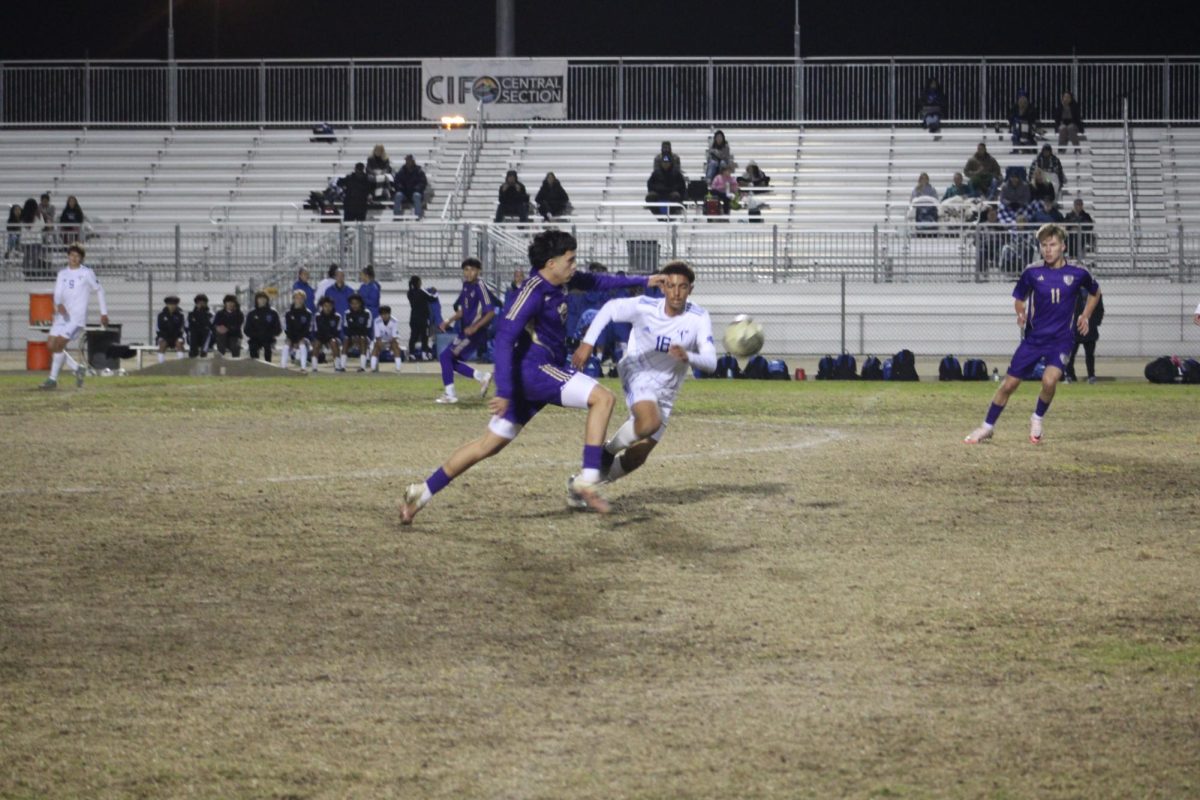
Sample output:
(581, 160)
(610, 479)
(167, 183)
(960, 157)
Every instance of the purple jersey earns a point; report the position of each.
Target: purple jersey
(1050, 296)
(534, 326)
(475, 300)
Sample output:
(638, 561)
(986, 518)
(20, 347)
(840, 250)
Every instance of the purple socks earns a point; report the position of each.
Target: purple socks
(592, 455)
(437, 481)
(993, 414)
(1042, 405)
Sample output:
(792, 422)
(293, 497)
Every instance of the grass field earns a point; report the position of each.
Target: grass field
(813, 590)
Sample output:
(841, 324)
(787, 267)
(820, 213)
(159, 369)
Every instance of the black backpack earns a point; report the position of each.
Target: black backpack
(904, 366)
(727, 367)
(845, 368)
(757, 369)
(1162, 370)
(825, 368)
(949, 369)
(872, 369)
(975, 369)
(777, 370)
(1191, 371)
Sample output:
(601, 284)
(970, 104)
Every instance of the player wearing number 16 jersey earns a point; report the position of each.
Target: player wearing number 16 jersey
(1044, 299)
(668, 336)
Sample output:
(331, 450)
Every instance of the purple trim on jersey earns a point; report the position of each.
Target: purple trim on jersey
(1028, 354)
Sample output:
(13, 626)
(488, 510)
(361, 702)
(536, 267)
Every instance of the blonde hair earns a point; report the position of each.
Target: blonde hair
(379, 152)
(1051, 229)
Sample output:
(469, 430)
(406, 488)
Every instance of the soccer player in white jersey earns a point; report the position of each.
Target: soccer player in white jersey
(72, 291)
(669, 336)
(387, 332)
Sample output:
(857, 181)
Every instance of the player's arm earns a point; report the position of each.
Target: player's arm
(459, 305)
(59, 306)
(1020, 293)
(512, 323)
(705, 357)
(621, 310)
(483, 322)
(100, 300)
(603, 281)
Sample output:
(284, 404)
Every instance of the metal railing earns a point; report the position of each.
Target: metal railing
(464, 174)
(763, 90)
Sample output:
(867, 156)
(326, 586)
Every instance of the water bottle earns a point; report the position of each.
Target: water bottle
(995, 374)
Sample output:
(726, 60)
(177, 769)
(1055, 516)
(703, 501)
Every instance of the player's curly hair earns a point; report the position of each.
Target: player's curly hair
(680, 268)
(77, 248)
(548, 244)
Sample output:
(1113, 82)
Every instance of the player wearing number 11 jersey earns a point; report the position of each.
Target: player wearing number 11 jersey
(668, 336)
(1044, 299)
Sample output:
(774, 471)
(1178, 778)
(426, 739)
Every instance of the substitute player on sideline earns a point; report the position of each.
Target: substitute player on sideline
(72, 291)
(669, 335)
(530, 346)
(476, 304)
(1044, 299)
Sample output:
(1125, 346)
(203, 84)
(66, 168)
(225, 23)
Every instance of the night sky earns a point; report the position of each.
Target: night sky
(136, 29)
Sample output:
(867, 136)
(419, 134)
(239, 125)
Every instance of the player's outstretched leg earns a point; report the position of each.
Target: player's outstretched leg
(417, 495)
(984, 431)
(1050, 379)
(586, 485)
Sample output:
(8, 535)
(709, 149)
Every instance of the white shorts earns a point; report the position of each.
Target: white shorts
(645, 386)
(67, 330)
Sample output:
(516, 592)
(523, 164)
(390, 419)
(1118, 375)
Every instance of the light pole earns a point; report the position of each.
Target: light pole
(172, 71)
(506, 28)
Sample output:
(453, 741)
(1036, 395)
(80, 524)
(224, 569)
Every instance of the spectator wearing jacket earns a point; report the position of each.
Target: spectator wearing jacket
(982, 169)
(71, 222)
(379, 171)
(1068, 121)
(378, 161)
(227, 326)
(358, 326)
(717, 156)
(665, 185)
(990, 238)
(960, 188)
(1088, 340)
(1046, 211)
(411, 187)
(418, 320)
(48, 211)
(665, 154)
(33, 228)
(357, 189)
(725, 187)
(1048, 163)
(1080, 230)
(923, 188)
(552, 199)
(1015, 194)
(754, 177)
(297, 331)
(262, 327)
(369, 290)
(514, 200)
(340, 293)
(199, 327)
(1041, 188)
(933, 106)
(302, 285)
(169, 328)
(13, 228)
(1023, 122)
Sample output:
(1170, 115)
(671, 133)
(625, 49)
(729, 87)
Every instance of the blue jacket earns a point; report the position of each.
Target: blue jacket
(340, 298)
(370, 295)
(310, 300)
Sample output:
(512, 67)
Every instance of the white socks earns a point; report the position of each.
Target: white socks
(56, 365)
(450, 392)
(285, 355)
(362, 361)
(303, 356)
(591, 476)
(178, 354)
(426, 495)
(374, 363)
(70, 363)
(624, 437)
(162, 357)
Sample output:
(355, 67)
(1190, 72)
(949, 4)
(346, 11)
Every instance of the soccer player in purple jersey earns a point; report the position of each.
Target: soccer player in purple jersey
(1044, 299)
(530, 349)
(476, 308)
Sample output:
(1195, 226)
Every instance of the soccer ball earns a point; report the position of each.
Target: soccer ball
(743, 337)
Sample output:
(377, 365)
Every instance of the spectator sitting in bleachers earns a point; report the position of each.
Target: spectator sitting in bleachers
(302, 285)
(551, 199)
(33, 228)
(227, 326)
(369, 290)
(717, 156)
(514, 200)
(664, 155)
(1023, 122)
(71, 221)
(1068, 121)
(1022, 247)
(1041, 188)
(199, 327)
(411, 186)
(665, 185)
(960, 188)
(378, 160)
(357, 192)
(923, 188)
(1051, 166)
(47, 210)
(1080, 230)
(1015, 195)
(754, 177)
(725, 187)
(982, 170)
(379, 170)
(1046, 211)
(933, 106)
(13, 229)
(340, 293)
(923, 202)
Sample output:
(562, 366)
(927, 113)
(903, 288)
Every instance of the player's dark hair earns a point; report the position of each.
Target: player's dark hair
(549, 244)
(414, 282)
(326, 301)
(355, 296)
(200, 298)
(472, 262)
(77, 248)
(263, 295)
(230, 298)
(369, 271)
(680, 268)
(332, 269)
(385, 309)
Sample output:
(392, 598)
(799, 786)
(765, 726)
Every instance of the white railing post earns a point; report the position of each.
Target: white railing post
(1129, 177)
(262, 93)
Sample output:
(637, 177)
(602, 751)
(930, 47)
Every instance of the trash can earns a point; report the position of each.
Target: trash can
(98, 344)
(643, 255)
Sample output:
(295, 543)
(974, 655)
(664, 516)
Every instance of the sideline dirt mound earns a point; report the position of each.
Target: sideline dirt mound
(216, 367)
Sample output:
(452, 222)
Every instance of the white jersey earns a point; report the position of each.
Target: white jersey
(73, 290)
(386, 331)
(652, 335)
(322, 287)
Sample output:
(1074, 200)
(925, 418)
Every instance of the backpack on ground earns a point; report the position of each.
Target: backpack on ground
(872, 369)
(1191, 371)
(845, 368)
(1162, 370)
(727, 367)
(825, 368)
(949, 369)
(975, 369)
(904, 366)
(777, 370)
(756, 369)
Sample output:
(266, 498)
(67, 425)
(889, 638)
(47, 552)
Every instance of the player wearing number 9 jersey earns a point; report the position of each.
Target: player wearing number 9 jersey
(1044, 299)
(668, 336)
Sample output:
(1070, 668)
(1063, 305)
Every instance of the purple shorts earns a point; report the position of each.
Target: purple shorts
(537, 385)
(463, 346)
(1028, 355)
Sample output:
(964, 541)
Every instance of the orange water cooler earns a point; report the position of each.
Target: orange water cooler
(41, 315)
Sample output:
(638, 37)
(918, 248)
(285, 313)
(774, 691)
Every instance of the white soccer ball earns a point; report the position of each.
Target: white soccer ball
(744, 337)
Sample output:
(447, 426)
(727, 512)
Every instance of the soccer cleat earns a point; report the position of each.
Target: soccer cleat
(48, 385)
(447, 400)
(304, 370)
(361, 369)
(590, 494)
(1092, 379)
(485, 383)
(411, 503)
(80, 374)
(1035, 429)
(573, 498)
(980, 434)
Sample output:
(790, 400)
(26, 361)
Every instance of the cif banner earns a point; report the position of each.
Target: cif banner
(510, 88)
